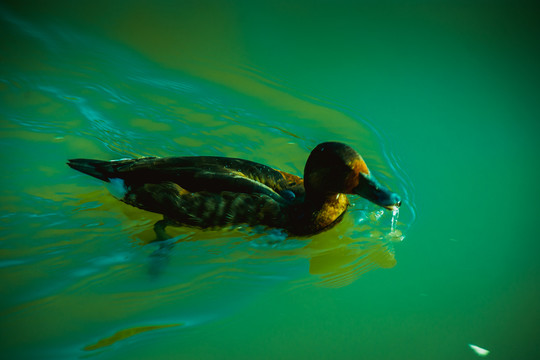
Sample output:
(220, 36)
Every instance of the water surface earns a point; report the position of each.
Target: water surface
(440, 99)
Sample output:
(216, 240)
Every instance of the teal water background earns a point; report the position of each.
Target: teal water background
(440, 97)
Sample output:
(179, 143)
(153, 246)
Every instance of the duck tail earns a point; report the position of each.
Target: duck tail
(100, 169)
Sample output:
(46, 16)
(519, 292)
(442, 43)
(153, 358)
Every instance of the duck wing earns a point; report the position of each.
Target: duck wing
(198, 174)
(200, 191)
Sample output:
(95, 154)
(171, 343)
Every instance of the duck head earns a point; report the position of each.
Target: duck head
(335, 168)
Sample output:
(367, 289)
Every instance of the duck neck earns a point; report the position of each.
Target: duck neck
(326, 209)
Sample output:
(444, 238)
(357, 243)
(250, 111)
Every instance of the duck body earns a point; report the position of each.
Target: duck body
(216, 192)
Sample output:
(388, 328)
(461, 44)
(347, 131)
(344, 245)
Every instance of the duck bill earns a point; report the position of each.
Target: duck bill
(370, 189)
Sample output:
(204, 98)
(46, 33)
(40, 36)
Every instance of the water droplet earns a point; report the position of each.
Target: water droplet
(395, 215)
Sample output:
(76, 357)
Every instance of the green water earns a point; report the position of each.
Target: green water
(441, 98)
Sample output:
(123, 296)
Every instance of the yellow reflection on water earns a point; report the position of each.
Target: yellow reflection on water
(206, 120)
(208, 43)
(150, 125)
(336, 258)
(124, 334)
(341, 265)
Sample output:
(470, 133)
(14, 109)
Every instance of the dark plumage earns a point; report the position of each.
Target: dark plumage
(214, 192)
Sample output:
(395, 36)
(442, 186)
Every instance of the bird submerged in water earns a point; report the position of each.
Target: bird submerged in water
(214, 192)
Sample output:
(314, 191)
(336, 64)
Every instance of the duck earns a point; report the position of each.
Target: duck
(211, 192)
